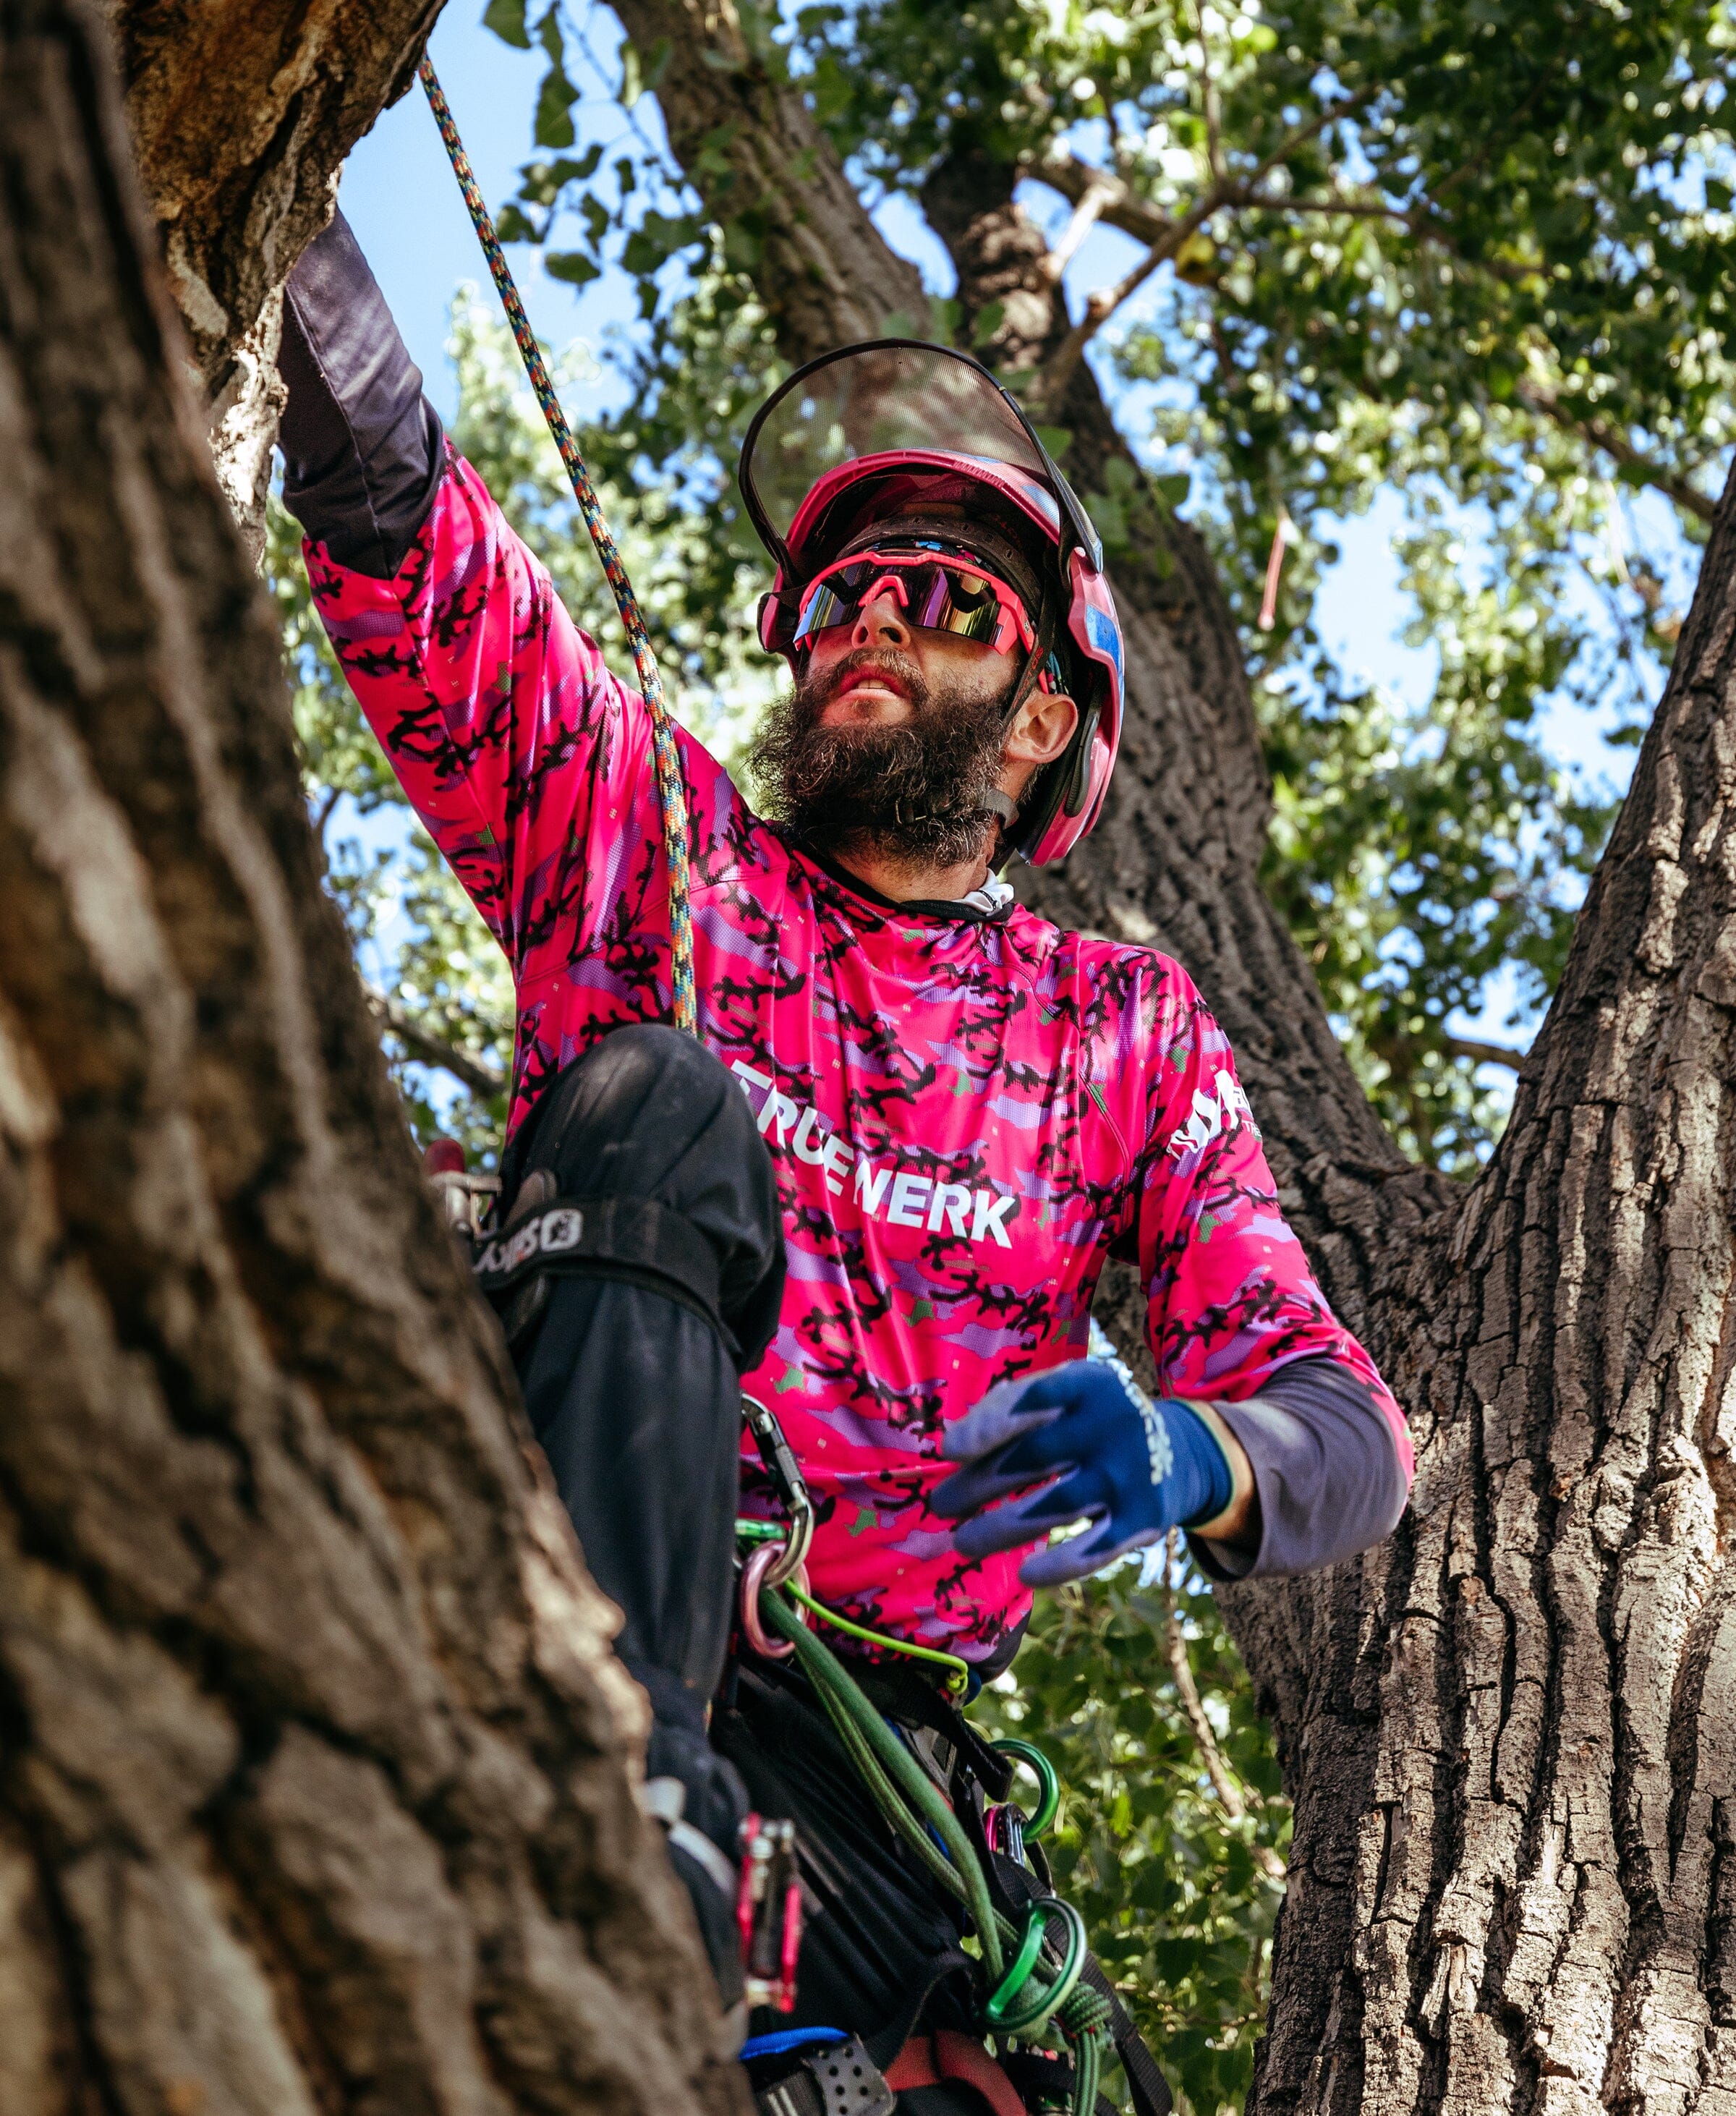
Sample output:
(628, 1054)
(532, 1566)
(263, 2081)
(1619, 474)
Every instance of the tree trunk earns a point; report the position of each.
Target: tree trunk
(1508, 1734)
(1544, 1877)
(312, 1788)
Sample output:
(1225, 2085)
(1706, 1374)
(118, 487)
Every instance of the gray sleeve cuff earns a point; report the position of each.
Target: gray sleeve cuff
(363, 451)
(1327, 1476)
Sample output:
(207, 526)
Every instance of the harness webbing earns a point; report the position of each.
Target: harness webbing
(672, 790)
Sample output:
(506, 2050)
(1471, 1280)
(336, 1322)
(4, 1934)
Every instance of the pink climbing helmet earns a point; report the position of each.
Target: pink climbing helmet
(899, 442)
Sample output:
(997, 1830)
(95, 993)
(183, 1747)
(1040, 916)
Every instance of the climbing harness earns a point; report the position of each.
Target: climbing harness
(1041, 1984)
(672, 790)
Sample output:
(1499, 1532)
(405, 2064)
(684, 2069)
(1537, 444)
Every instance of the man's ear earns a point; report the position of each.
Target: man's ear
(1042, 729)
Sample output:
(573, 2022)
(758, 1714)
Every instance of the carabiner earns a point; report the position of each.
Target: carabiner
(755, 1575)
(1048, 1784)
(785, 1472)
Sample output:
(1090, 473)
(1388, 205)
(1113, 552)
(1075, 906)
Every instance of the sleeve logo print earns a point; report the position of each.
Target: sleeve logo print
(901, 1197)
(1212, 1117)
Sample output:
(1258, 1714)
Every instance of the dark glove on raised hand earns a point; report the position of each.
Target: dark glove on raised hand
(1097, 1450)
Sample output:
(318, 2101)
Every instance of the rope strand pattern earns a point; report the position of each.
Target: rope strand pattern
(672, 787)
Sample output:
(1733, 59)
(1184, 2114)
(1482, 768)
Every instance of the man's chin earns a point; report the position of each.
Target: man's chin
(868, 705)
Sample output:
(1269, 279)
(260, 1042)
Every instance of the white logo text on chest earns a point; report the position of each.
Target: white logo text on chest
(901, 1197)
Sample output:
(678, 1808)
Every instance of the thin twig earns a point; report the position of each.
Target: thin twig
(1091, 205)
(1209, 104)
(431, 1050)
(333, 795)
(1230, 1794)
(1057, 369)
(1122, 208)
(1304, 133)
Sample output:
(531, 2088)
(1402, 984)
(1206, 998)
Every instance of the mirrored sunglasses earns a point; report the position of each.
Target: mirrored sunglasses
(936, 594)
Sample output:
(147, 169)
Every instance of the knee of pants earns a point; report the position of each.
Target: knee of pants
(650, 1105)
(650, 1113)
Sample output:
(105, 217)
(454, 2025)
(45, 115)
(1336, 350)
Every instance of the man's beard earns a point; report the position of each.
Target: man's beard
(909, 793)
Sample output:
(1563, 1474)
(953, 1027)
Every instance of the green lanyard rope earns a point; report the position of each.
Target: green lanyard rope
(1040, 1989)
(672, 789)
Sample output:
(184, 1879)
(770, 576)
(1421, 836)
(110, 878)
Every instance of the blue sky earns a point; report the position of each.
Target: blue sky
(399, 194)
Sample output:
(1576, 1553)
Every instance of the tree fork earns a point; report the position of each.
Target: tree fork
(313, 1787)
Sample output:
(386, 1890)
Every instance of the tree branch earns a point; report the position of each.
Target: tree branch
(431, 1050)
(1058, 370)
(1600, 433)
(1120, 206)
(1091, 203)
(1208, 104)
(1229, 1794)
(1484, 1054)
(1102, 305)
(323, 814)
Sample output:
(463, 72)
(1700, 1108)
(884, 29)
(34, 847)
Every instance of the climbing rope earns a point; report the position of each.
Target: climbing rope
(1039, 1988)
(672, 790)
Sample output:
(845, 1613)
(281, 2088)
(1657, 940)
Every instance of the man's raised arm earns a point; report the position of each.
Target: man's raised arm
(363, 451)
(529, 762)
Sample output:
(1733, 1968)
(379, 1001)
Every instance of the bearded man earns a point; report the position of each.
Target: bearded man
(878, 1191)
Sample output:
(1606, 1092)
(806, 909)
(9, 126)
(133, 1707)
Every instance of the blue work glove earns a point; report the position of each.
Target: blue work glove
(1103, 1454)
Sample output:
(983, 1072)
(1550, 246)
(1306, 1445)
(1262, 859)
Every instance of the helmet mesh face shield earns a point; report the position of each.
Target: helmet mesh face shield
(892, 431)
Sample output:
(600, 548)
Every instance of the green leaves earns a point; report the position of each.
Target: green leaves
(641, 77)
(572, 265)
(506, 18)
(989, 320)
(658, 237)
(553, 126)
(554, 101)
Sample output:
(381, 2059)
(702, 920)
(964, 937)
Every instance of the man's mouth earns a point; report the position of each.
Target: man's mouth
(876, 679)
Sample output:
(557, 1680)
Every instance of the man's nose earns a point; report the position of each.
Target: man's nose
(881, 622)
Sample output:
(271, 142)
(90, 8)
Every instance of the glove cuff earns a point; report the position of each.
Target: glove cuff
(1202, 1458)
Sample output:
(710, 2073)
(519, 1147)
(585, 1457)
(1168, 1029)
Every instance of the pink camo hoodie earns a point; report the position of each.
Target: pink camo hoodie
(967, 1114)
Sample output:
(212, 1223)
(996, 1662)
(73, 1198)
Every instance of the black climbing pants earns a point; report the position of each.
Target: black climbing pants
(630, 1370)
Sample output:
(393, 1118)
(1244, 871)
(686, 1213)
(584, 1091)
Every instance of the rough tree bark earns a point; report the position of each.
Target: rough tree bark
(1508, 1734)
(241, 112)
(312, 1788)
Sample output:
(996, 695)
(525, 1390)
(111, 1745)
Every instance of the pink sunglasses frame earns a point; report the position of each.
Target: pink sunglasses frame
(1015, 619)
